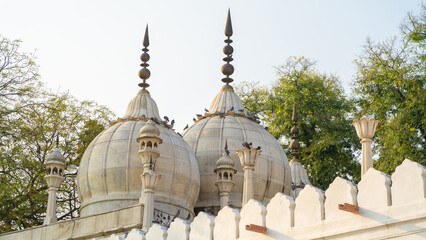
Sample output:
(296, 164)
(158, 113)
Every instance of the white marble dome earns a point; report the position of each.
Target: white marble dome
(109, 172)
(226, 120)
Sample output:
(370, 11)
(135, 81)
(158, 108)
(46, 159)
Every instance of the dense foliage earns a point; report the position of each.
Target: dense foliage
(30, 116)
(391, 85)
(326, 134)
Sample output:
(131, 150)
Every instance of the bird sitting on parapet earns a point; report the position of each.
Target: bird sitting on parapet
(222, 116)
(199, 116)
(241, 110)
(206, 110)
(193, 119)
(247, 145)
(172, 123)
(166, 118)
(258, 148)
(155, 120)
(186, 127)
(208, 210)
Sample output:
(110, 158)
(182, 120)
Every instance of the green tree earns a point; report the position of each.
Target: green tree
(31, 116)
(391, 85)
(18, 80)
(328, 140)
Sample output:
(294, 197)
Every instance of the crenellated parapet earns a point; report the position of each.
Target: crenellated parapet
(389, 207)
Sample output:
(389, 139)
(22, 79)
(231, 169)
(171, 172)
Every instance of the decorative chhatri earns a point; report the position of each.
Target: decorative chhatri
(144, 73)
(227, 68)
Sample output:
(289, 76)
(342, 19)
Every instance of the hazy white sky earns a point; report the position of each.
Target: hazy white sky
(92, 48)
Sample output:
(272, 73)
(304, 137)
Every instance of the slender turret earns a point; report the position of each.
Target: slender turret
(55, 166)
(225, 172)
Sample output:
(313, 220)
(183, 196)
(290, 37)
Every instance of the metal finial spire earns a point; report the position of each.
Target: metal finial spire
(144, 73)
(227, 68)
(228, 28)
(294, 145)
(294, 117)
(57, 140)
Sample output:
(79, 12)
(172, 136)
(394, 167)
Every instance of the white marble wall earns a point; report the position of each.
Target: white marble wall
(390, 207)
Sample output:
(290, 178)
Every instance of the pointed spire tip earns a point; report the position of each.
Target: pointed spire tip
(228, 28)
(294, 117)
(146, 37)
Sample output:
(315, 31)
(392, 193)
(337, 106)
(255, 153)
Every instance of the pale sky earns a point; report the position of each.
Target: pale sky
(92, 48)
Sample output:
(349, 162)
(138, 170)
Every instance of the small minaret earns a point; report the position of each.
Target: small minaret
(299, 177)
(149, 134)
(225, 173)
(55, 166)
(365, 129)
(149, 141)
(248, 157)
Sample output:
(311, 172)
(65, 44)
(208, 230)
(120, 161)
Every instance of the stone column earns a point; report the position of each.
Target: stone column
(365, 129)
(149, 141)
(248, 157)
(149, 181)
(55, 166)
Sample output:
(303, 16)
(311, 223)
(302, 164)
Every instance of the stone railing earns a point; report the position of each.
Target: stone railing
(380, 207)
(94, 226)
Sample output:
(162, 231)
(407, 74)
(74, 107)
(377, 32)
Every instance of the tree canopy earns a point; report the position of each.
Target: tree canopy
(30, 117)
(390, 84)
(327, 137)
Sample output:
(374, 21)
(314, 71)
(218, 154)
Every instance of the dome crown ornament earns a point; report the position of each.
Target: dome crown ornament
(227, 68)
(299, 176)
(144, 73)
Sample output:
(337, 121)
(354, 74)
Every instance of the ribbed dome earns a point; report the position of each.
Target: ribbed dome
(55, 156)
(225, 121)
(298, 173)
(225, 162)
(142, 105)
(225, 101)
(109, 173)
(149, 130)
